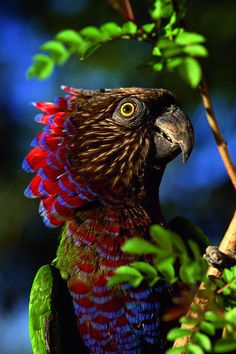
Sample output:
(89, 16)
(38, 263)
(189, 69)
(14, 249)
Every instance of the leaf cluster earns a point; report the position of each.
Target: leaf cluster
(173, 48)
(82, 43)
(217, 320)
(173, 260)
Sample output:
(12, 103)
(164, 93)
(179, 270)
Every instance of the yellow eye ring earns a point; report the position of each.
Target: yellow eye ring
(127, 109)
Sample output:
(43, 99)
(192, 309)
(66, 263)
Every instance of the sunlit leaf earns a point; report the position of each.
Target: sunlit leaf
(194, 349)
(173, 63)
(158, 66)
(214, 317)
(91, 32)
(196, 50)
(203, 340)
(144, 268)
(191, 72)
(56, 49)
(156, 51)
(161, 9)
(227, 275)
(185, 38)
(149, 27)
(69, 36)
(175, 333)
(129, 28)
(127, 270)
(42, 68)
(139, 246)
(111, 29)
(225, 345)
(207, 327)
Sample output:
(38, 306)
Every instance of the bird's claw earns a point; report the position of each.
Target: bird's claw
(218, 259)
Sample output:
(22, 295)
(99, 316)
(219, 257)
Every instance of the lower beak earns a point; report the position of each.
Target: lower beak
(173, 133)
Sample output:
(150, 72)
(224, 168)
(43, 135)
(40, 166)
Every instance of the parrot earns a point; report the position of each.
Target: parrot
(98, 165)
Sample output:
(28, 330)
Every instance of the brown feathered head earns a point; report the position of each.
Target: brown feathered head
(106, 141)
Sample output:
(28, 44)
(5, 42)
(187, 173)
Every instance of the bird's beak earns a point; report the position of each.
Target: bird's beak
(173, 133)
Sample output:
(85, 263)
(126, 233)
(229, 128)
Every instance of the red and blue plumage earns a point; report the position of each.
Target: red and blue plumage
(97, 172)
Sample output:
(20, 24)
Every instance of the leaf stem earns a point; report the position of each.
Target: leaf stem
(227, 244)
(221, 144)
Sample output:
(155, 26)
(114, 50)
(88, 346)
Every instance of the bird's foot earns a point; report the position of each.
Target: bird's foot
(218, 259)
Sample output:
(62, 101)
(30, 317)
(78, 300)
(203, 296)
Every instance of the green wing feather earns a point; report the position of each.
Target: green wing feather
(40, 311)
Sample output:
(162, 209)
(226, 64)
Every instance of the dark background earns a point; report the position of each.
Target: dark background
(199, 190)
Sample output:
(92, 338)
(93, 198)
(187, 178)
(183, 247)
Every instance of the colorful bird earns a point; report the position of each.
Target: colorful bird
(98, 165)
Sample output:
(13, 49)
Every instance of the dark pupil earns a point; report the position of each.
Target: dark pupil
(127, 108)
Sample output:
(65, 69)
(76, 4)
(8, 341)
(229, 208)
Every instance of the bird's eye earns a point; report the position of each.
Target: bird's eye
(127, 109)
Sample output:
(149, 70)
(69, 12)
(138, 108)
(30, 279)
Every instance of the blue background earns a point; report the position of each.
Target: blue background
(199, 190)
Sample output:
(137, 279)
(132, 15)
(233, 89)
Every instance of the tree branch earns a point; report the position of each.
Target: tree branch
(221, 144)
(227, 244)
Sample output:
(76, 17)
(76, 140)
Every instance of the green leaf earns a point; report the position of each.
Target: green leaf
(158, 66)
(57, 50)
(185, 38)
(69, 37)
(213, 317)
(226, 291)
(117, 279)
(227, 275)
(126, 274)
(203, 340)
(92, 33)
(138, 245)
(145, 268)
(129, 28)
(169, 26)
(225, 345)
(175, 333)
(165, 43)
(161, 8)
(207, 327)
(149, 27)
(156, 51)
(162, 237)
(188, 320)
(190, 71)
(194, 349)
(111, 29)
(219, 282)
(189, 272)
(166, 268)
(173, 63)
(177, 350)
(233, 269)
(231, 315)
(197, 50)
(42, 67)
(127, 270)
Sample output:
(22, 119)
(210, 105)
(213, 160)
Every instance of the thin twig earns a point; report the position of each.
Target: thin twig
(124, 8)
(227, 244)
(127, 10)
(221, 144)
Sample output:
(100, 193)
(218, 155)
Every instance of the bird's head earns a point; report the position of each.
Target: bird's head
(117, 135)
(102, 144)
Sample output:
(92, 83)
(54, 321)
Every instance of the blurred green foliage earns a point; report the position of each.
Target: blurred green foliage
(173, 47)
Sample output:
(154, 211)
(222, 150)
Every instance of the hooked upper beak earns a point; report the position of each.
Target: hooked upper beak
(173, 133)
